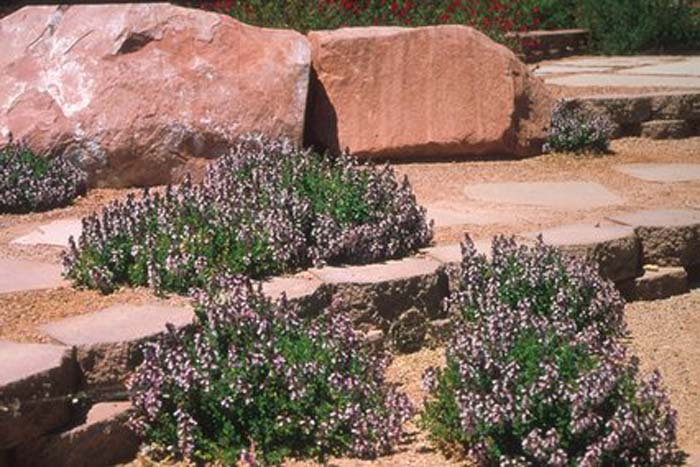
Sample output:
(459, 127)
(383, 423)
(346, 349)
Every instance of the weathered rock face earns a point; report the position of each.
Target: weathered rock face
(141, 93)
(422, 92)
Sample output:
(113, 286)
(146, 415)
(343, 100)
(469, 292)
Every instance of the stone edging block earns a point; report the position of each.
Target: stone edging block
(35, 381)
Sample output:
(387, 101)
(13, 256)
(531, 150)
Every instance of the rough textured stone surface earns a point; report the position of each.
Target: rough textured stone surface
(655, 285)
(422, 93)
(108, 341)
(555, 195)
(629, 112)
(439, 331)
(669, 237)
(377, 294)
(615, 248)
(102, 440)
(662, 172)
(36, 382)
(140, 93)
(408, 331)
(18, 275)
(53, 233)
(303, 290)
(665, 129)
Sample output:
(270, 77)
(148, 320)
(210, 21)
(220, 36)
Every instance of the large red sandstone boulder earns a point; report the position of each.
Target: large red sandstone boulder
(422, 92)
(140, 93)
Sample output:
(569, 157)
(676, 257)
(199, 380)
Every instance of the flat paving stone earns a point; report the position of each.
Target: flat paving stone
(688, 66)
(18, 275)
(662, 172)
(118, 323)
(558, 195)
(21, 360)
(53, 233)
(624, 80)
(614, 248)
(449, 217)
(297, 286)
(659, 218)
(377, 273)
(565, 68)
(453, 253)
(618, 61)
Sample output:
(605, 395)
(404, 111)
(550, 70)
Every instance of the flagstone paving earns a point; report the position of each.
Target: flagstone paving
(557, 195)
(662, 172)
(18, 275)
(119, 323)
(53, 233)
(19, 361)
(448, 217)
(634, 72)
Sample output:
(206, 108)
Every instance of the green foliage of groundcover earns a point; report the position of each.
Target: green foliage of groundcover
(29, 182)
(264, 209)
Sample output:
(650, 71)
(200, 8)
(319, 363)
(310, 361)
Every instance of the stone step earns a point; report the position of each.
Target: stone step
(108, 341)
(669, 237)
(103, 439)
(18, 275)
(666, 129)
(54, 233)
(615, 248)
(656, 284)
(377, 295)
(303, 289)
(667, 173)
(36, 385)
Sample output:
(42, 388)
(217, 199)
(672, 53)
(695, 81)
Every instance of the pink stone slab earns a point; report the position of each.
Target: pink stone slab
(448, 217)
(296, 286)
(17, 275)
(581, 234)
(53, 233)
(19, 360)
(376, 273)
(668, 173)
(453, 253)
(119, 323)
(659, 218)
(556, 195)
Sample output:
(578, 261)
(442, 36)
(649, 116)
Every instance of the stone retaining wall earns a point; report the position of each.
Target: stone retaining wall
(657, 116)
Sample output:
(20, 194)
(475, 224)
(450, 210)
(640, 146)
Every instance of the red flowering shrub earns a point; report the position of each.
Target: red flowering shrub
(496, 18)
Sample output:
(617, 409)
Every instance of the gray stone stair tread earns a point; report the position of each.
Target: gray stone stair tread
(54, 233)
(659, 218)
(581, 234)
(119, 323)
(17, 275)
(571, 195)
(661, 172)
(21, 360)
(376, 273)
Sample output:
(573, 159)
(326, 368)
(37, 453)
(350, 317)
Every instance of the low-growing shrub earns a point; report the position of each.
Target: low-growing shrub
(29, 182)
(536, 373)
(574, 130)
(250, 373)
(265, 208)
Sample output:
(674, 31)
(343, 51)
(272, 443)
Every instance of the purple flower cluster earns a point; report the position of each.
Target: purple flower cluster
(573, 130)
(32, 183)
(266, 207)
(250, 379)
(536, 370)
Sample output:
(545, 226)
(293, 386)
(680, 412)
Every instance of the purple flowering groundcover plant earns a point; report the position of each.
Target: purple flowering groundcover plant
(29, 182)
(574, 130)
(265, 208)
(250, 379)
(536, 370)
